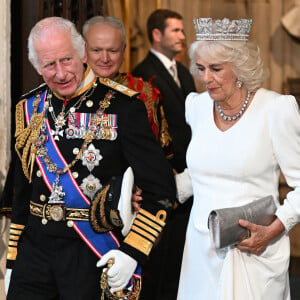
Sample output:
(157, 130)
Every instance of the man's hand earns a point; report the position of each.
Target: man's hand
(136, 199)
(121, 271)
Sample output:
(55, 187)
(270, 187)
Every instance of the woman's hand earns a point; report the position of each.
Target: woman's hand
(260, 236)
(136, 199)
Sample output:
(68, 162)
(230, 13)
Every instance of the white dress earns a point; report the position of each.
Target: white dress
(232, 168)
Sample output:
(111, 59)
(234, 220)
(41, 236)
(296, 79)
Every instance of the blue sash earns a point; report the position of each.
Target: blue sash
(100, 243)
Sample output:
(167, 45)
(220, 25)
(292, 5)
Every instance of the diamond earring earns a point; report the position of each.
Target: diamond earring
(239, 83)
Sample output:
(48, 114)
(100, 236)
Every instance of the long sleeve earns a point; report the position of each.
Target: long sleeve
(20, 212)
(285, 135)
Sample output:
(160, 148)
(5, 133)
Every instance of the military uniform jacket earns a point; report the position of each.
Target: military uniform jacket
(130, 142)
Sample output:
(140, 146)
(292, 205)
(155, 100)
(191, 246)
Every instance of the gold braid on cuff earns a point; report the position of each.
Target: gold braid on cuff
(145, 230)
(15, 232)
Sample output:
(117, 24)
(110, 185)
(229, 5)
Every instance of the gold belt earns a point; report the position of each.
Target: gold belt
(58, 212)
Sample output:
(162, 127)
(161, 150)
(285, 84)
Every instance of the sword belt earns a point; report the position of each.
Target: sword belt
(57, 212)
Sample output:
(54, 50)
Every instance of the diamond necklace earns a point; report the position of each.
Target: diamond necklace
(237, 115)
(60, 119)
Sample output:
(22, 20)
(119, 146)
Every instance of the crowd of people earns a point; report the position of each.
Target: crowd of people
(116, 173)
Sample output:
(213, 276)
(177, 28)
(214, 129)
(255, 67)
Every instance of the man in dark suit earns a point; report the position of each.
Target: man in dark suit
(76, 135)
(166, 35)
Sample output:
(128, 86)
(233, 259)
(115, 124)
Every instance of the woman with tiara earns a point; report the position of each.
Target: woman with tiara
(242, 135)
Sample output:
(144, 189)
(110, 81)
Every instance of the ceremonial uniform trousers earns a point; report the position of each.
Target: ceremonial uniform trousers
(51, 260)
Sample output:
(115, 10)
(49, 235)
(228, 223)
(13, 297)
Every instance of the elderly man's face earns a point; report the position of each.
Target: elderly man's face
(105, 49)
(59, 63)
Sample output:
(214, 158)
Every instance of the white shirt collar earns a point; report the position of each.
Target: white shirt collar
(164, 59)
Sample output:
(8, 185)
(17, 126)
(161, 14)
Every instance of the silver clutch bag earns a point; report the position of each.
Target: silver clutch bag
(224, 225)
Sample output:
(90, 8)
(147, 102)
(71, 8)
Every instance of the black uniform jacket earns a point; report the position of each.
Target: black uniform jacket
(173, 101)
(134, 146)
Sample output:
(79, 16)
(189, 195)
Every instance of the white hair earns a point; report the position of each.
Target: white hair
(244, 58)
(48, 25)
(107, 20)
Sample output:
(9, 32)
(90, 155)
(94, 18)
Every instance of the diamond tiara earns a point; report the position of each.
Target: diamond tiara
(208, 29)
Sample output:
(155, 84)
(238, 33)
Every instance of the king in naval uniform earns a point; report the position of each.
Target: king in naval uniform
(76, 135)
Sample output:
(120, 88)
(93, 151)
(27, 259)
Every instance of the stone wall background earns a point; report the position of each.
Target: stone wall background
(5, 117)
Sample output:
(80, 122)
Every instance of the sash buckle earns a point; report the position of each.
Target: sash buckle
(57, 212)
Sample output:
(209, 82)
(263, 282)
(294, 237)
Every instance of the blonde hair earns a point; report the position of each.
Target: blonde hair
(244, 58)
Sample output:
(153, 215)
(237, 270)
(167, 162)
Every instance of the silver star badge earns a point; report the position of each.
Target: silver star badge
(91, 157)
(90, 185)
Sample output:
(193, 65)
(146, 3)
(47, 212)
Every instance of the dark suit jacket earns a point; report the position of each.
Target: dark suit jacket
(173, 101)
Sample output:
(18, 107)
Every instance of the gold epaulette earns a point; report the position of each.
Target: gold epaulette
(145, 230)
(15, 232)
(20, 122)
(118, 87)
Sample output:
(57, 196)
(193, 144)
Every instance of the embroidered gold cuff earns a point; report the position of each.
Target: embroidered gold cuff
(11, 253)
(145, 230)
(143, 233)
(12, 243)
(14, 236)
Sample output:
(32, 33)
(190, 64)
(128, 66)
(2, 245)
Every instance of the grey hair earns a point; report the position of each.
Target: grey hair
(48, 25)
(244, 57)
(113, 22)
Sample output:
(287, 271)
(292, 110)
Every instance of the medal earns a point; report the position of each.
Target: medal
(91, 157)
(90, 185)
(57, 193)
(57, 132)
(60, 120)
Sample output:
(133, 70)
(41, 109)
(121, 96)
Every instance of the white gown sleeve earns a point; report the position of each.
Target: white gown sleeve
(189, 107)
(184, 186)
(284, 124)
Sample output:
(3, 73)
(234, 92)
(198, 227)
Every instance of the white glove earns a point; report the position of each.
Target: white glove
(7, 280)
(184, 186)
(121, 271)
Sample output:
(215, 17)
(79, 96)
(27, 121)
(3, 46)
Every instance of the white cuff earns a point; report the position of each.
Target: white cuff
(184, 186)
(7, 280)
